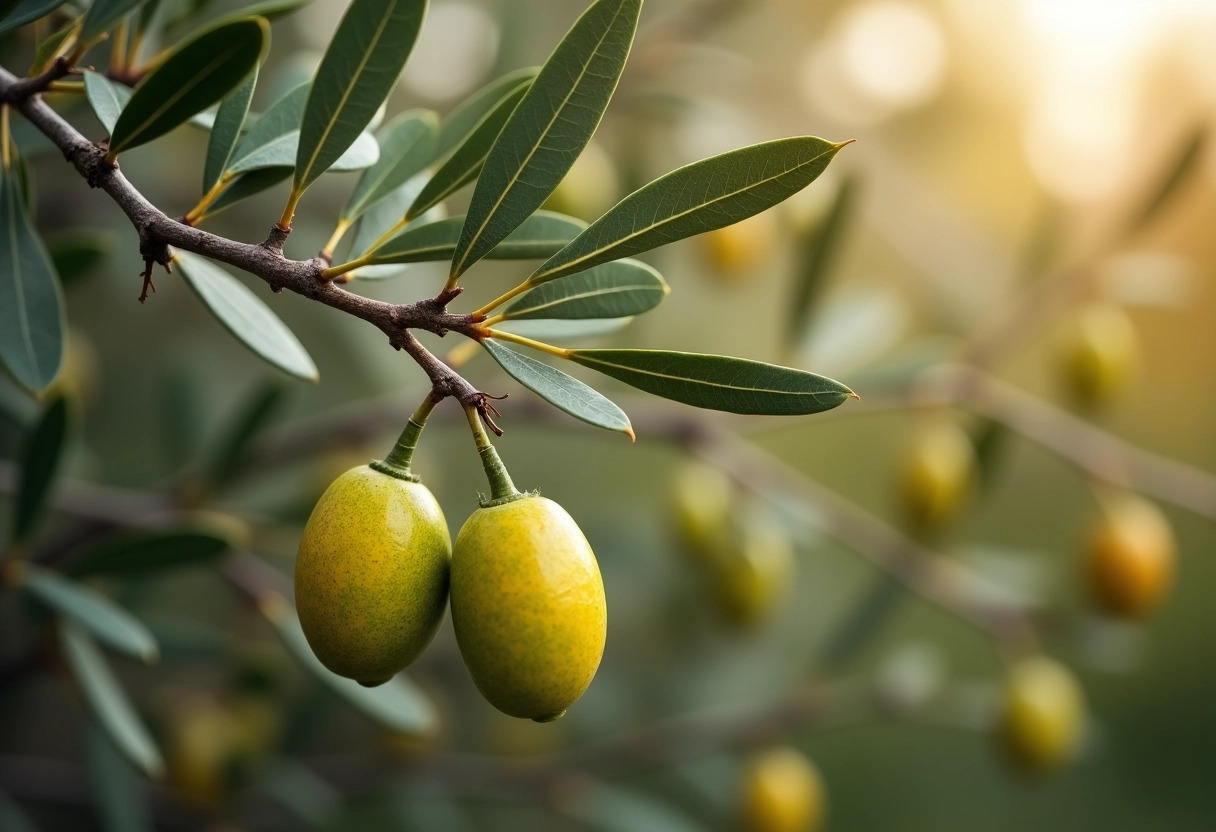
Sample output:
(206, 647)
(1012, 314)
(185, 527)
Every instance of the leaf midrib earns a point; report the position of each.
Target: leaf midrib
(194, 82)
(582, 356)
(587, 294)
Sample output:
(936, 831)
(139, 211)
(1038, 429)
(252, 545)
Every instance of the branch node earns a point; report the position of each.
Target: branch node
(276, 239)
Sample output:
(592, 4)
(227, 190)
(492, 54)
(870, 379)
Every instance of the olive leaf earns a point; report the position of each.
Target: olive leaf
(559, 329)
(103, 15)
(105, 620)
(27, 12)
(50, 46)
(612, 290)
(539, 235)
(406, 147)
(31, 303)
(354, 78)
(563, 391)
(194, 76)
(226, 130)
(819, 249)
(246, 185)
(106, 700)
(549, 127)
(718, 382)
(116, 786)
(466, 162)
(381, 218)
(147, 552)
(39, 464)
(459, 123)
(106, 98)
(700, 197)
(246, 316)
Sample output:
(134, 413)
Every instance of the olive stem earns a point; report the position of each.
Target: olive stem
(502, 490)
(397, 463)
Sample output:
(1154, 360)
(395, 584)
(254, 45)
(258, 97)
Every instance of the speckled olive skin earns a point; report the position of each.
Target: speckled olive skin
(528, 607)
(372, 574)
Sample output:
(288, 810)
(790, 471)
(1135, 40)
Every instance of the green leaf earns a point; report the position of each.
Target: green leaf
(245, 316)
(272, 10)
(39, 463)
(31, 305)
(356, 75)
(50, 46)
(255, 413)
(226, 131)
(105, 620)
(247, 185)
(700, 197)
(539, 235)
(396, 704)
(121, 806)
(104, 15)
(563, 391)
(612, 290)
(379, 219)
(78, 252)
(818, 252)
(565, 330)
(463, 166)
(27, 12)
(106, 98)
(109, 704)
(1185, 162)
(194, 76)
(718, 382)
(549, 128)
(461, 121)
(12, 817)
(406, 147)
(141, 553)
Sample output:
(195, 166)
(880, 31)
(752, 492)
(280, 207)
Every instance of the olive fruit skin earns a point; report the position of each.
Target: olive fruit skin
(1101, 352)
(1130, 558)
(527, 607)
(372, 574)
(783, 792)
(1044, 715)
(937, 475)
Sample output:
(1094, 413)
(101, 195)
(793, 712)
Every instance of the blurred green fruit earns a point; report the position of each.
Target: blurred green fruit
(1044, 714)
(937, 475)
(1100, 354)
(701, 498)
(752, 575)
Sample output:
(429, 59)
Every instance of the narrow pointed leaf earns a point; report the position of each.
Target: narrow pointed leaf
(383, 216)
(104, 15)
(281, 117)
(700, 197)
(396, 704)
(1183, 165)
(466, 162)
(281, 152)
(109, 704)
(557, 329)
(407, 146)
(31, 304)
(106, 98)
(612, 290)
(718, 382)
(247, 185)
(12, 817)
(539, 234)
(142, 553)
(563, 391)
(105, 620)
(226, 130)
(246, 316)
(194, 76)
(818, 254)
(461, 121)
(51, 45)
(549, 128)
(116, 786)
(39, 464)
(27, 12)
(356, 75)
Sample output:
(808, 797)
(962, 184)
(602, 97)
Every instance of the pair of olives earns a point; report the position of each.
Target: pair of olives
(376, 568)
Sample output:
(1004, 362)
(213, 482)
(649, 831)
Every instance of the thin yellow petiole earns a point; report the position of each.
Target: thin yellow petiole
(65, 86)
(6, 151)
(289, 211)
(496, 319)
(336, 238)
(137, 42)
(338, 271)
(461, 354)
(528, 342)
(500, 300)
(199, 211)
(387, 235)
(118, 48)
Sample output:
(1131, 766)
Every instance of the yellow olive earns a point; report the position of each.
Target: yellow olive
(202, 752)
(528, 607)
(937, 475)
(701, 499)
(737, 251)
(372, 574)
(1131, 557)
(589, 188)
(1044, 714)
(1101, 352)
(783, 792)
(752, 576)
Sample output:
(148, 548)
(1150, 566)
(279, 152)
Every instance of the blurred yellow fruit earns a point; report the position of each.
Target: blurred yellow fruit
(1130, 557)
(202, 751)
(783, 792)
(528, 607)
(80, 374)
(1101, 352)
(372, 574)
(738, 251)
(589, 188)
(937, 475)
(751, 577)
(701, 500)
(1044, 714)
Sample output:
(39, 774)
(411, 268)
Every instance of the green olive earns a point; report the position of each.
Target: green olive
(752, 575)
(1101, 352)
(701, 500)
(1131, 556)
(372, 574)
(738, 251)
(1044, 715)
(783, 792)
(937, 475)
(528, 607)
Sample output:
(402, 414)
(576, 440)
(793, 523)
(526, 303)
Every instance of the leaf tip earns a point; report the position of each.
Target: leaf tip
(851, 394)
(628, 431)
(844, 143)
